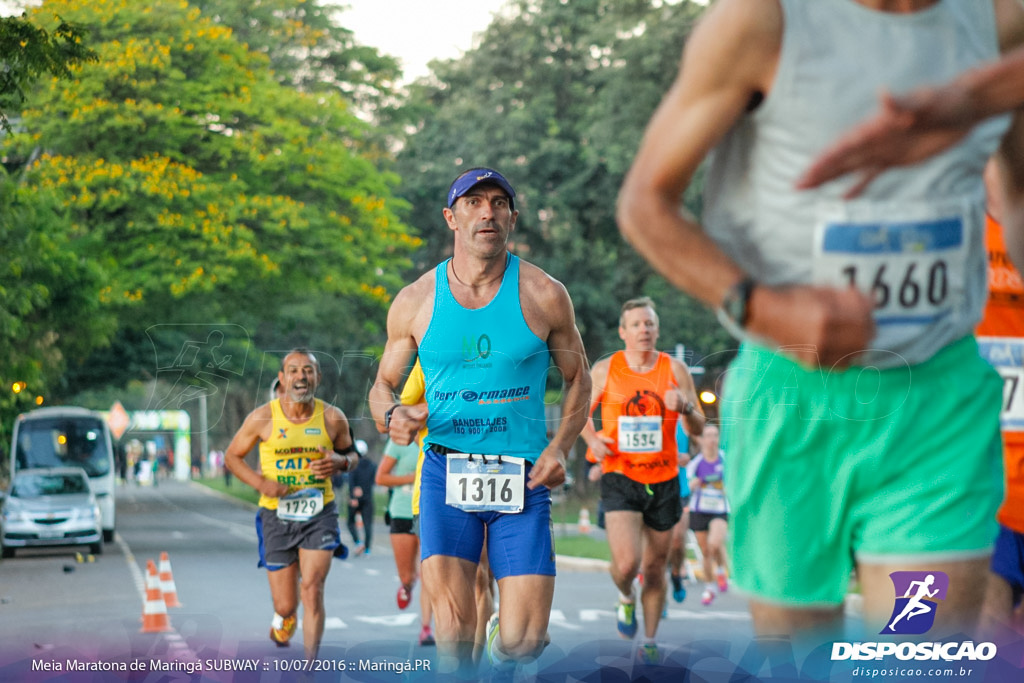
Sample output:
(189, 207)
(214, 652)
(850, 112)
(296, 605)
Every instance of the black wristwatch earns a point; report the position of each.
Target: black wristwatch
(387, 416)
(734, 311)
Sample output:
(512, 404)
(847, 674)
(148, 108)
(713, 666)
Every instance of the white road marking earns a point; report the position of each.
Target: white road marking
(558, 619)
(596, 614)
(590, 615)
(391, 620)
(708, 615)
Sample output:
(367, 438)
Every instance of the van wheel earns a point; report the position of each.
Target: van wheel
(108, 535)
(7, 552)
(96, 548)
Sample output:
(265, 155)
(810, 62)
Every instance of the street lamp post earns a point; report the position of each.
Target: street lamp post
(203, 439)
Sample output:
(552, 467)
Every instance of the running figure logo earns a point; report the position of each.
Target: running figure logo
(916, 596)
(646, 403)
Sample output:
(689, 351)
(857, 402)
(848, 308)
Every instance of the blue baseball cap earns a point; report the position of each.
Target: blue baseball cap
(476, 176)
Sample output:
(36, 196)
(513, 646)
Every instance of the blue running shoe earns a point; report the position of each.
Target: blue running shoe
(678, 589)
(625, 615)
(648, 654)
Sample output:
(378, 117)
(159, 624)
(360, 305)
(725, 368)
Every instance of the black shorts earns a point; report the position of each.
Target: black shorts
(399, 525)
(659, 503)
(701, 521)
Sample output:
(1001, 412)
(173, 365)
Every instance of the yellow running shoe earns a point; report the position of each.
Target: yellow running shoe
(282, 629)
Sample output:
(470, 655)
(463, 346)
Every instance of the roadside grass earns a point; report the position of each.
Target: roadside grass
(237, 489)
(578, 545)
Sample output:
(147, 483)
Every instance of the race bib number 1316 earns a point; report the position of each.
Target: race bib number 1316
(485, 483)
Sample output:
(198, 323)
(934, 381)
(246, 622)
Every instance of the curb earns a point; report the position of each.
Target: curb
(221, 494)
(581, 564)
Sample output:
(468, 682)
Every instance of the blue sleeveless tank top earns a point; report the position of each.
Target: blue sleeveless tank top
(486, 372)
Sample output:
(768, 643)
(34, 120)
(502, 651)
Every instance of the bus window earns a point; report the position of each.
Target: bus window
(63, 442)
(67, 436)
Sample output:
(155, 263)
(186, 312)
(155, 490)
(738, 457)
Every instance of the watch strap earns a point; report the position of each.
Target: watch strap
(734, 311)
(387, 416)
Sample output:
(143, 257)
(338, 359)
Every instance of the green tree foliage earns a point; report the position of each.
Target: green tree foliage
(28, 51)
(205, 188)
(310, 50)
(557, 96)
(48, 297)
(49, 300)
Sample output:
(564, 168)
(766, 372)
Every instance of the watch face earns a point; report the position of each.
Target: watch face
(735, 306)
(736, 299)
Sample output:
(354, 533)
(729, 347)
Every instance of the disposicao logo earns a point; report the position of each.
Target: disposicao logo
(917, 594)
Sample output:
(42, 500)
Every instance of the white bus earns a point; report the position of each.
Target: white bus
(65, 436)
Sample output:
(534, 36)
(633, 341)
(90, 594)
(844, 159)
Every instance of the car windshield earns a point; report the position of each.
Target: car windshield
(35, 485)
(63, 442)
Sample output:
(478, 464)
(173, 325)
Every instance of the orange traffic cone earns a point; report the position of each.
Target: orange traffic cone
(154, 611)
(583, 524)
(167, 586)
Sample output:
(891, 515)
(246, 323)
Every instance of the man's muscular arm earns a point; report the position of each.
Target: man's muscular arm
(686, 393)
(343, 457)
(597, 443)
(406, 421)
(253, 430)
(566, 347)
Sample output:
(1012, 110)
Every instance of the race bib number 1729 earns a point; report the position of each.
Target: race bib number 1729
(300, 506)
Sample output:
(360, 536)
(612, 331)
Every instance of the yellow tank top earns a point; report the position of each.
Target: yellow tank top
(412, 393)
(286, 455)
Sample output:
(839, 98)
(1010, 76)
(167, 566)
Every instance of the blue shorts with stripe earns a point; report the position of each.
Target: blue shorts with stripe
(517, 544)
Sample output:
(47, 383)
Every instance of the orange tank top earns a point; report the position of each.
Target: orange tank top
(1001, 338)
(634, 416)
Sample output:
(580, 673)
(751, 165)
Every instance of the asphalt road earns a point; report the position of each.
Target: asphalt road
(62, 619)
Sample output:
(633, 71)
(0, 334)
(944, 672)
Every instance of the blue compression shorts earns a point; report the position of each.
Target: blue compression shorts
(1008, 560)
(518, 544)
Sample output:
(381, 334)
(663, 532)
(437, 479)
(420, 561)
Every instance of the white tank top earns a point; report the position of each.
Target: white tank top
(916, 237)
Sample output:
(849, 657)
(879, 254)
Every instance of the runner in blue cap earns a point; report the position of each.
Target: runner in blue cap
(486, 327)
